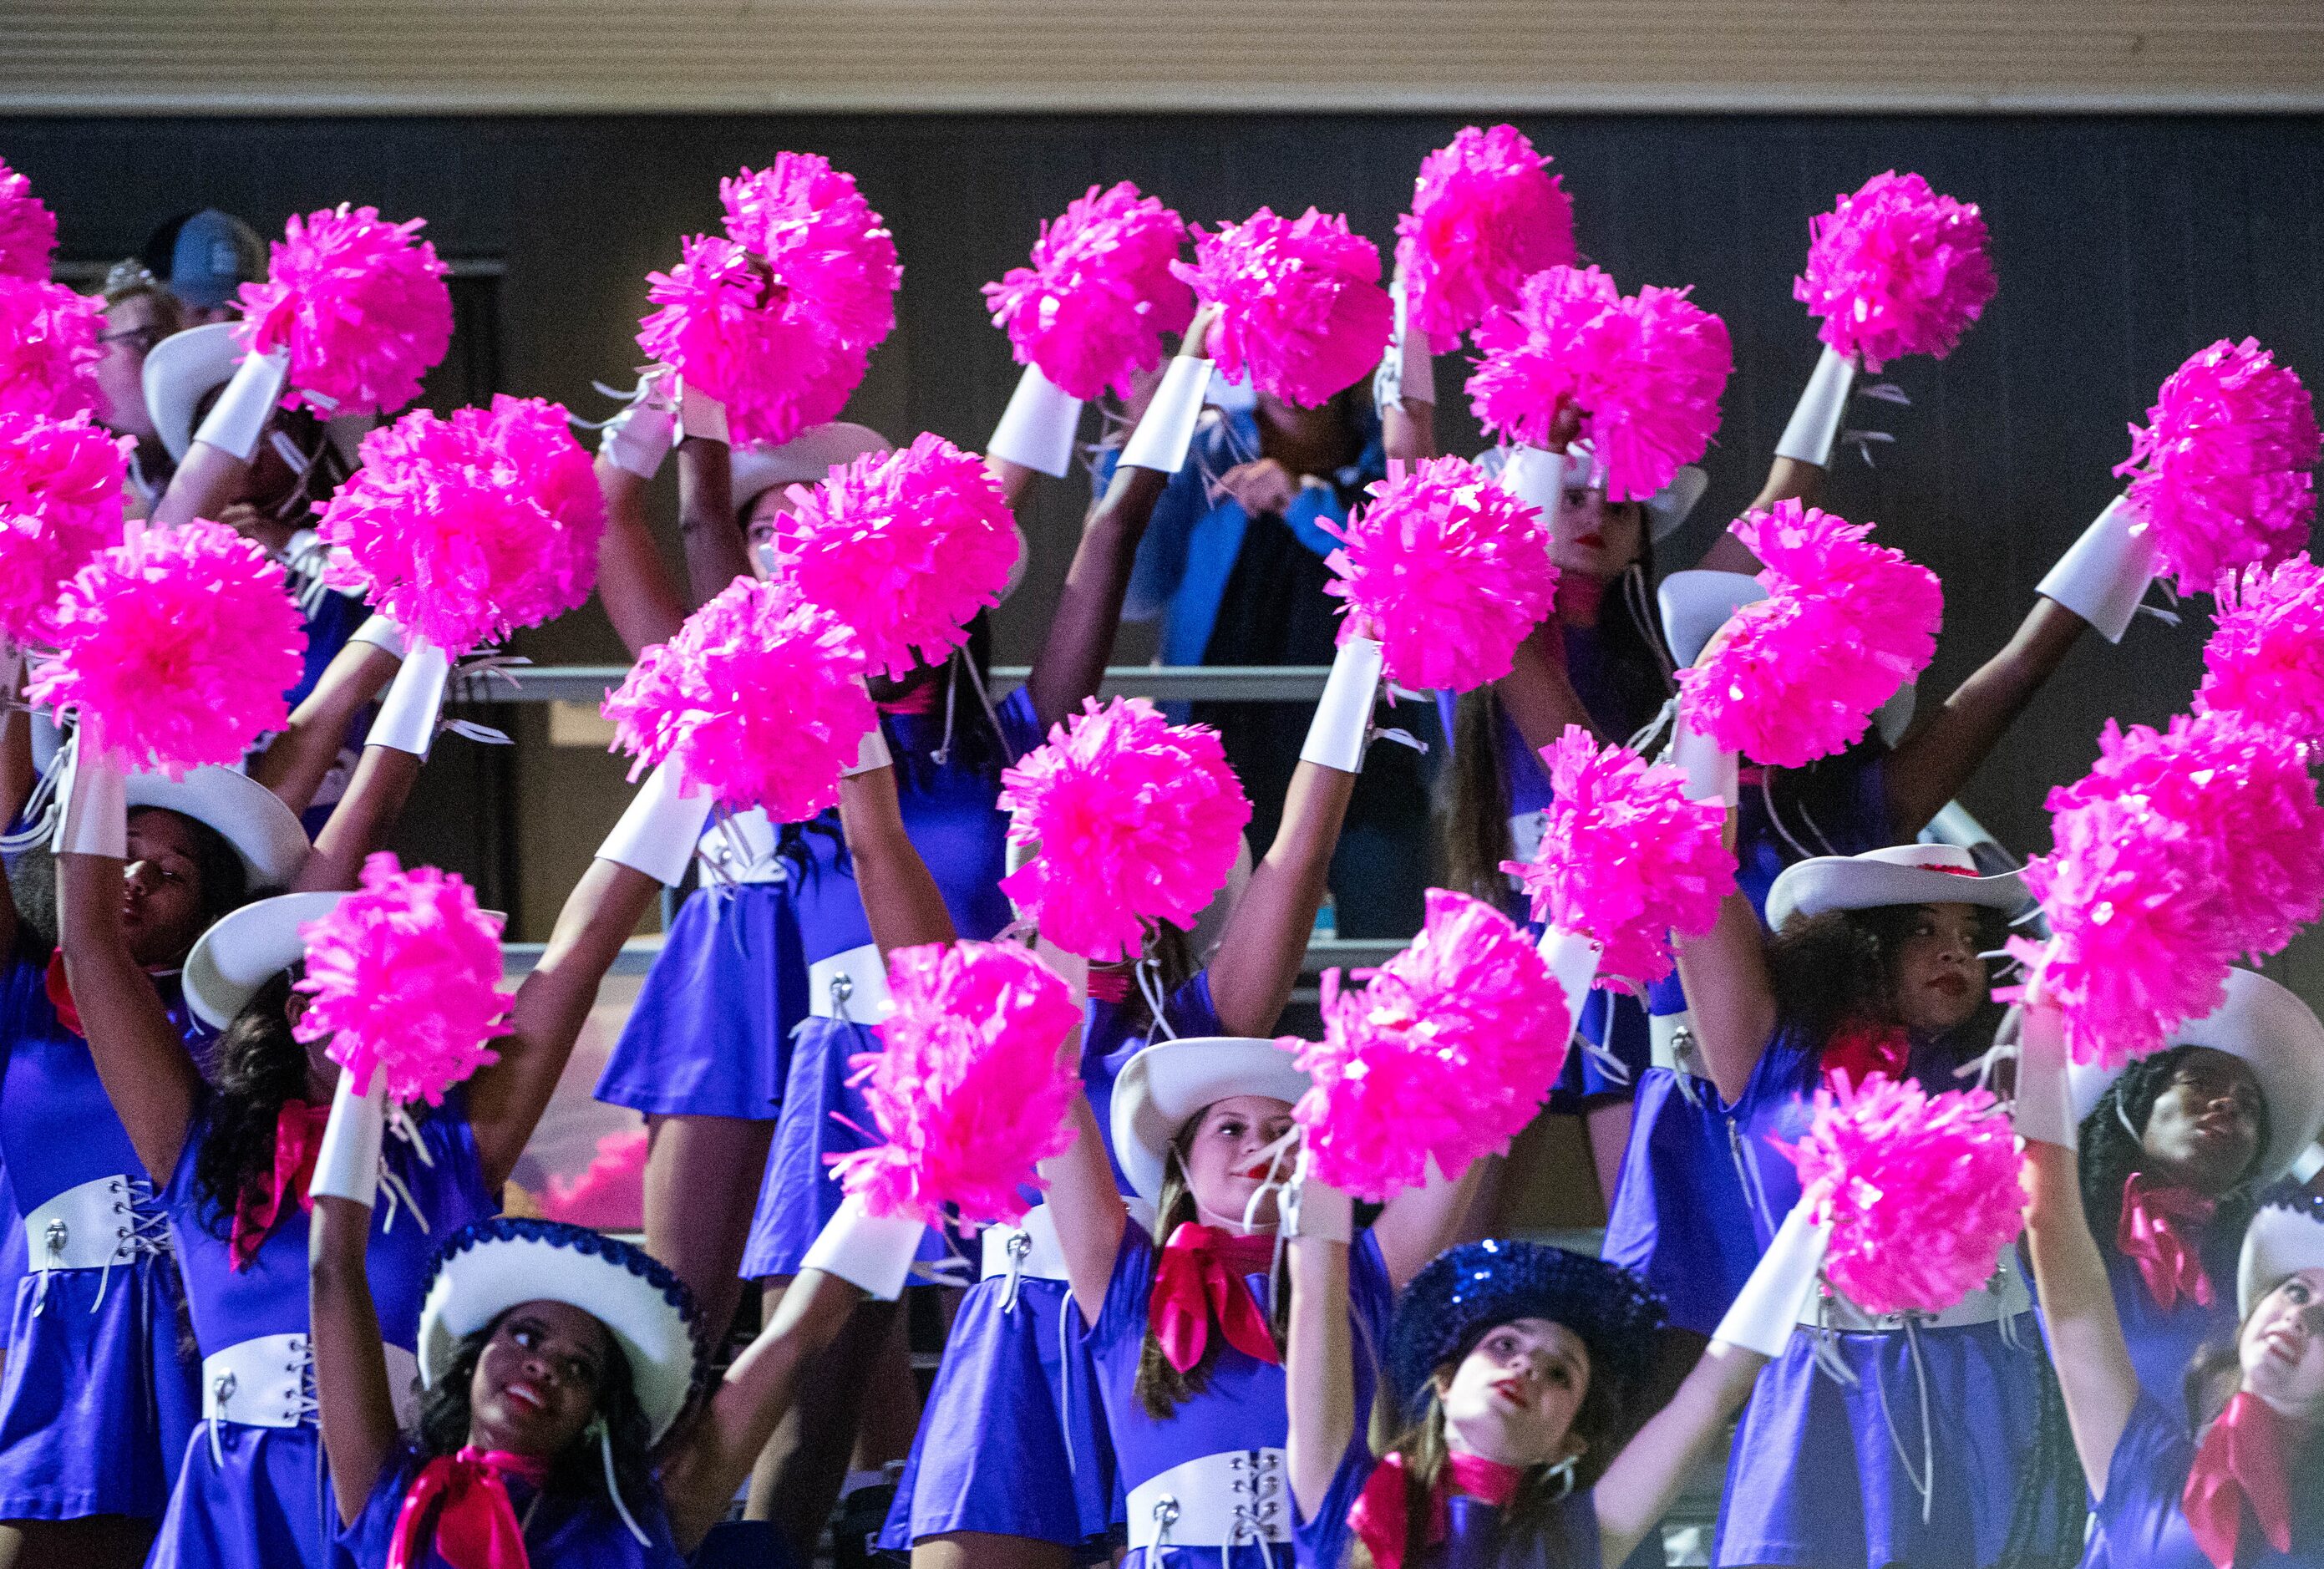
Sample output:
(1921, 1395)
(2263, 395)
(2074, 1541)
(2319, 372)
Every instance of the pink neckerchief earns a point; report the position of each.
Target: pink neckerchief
(1381, 1519)
(477, 1528)
(2149, 1235)
(297, 1135)
(1198, 1281)
(2241, 1463)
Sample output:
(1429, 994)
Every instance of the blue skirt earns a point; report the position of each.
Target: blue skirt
(97, 1404)
(823, 1115)
(710, 1034)
(1815, 1478)
(270, 1503)
(1012, 1440)
(1681, 1217)
(1617, 1021)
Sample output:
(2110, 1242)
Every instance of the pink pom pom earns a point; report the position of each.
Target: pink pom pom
(1646, 370)
(1895, 269)
(48, 348)
(1921, 1190)
(404, 982)
(969, 1084)
(610, 1193)
(1845, 623)
(465, 530)
(59, 504)
(821, 242)
(2224, 467)
(1484, 218)
(28, 229)
(178, 643)
(1092, 309)
(1448, 1053)
(361, 304)
(759, 698)
(2265, 660)
(1302, 309)
(1136, 820)
(903, 546)
(1449, 570)
(1626, 858)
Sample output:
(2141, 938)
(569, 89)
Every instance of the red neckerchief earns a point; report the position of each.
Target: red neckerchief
(1861, 1049)
(1198, 1280)
(1108, 986)
(920, 699)
(297, 1135)
(476, 1528)
(2241, 1463)
(2149, 1236)
(1380, 1519)
(60, 993)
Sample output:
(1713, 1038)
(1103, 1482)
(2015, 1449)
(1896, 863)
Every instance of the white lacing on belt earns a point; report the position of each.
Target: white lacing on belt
(269, 1382)
(851, 987)
(1227, 1500)
(95, 1225)
(741, 847)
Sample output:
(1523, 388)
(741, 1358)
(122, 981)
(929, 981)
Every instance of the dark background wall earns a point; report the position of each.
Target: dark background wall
(2122, 246)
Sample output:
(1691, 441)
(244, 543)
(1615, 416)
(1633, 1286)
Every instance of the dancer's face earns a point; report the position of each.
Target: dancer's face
(161, 887)
(2203, 1132)
(771, 505)
(1513, 1397)
(535, 1389)
(1225, 1167)
(1594, 536)
(1940, 980)
(2281, 1348)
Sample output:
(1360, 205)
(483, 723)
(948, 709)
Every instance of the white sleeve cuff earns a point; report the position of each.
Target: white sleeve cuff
(1713, 773)
(871, 753)
(346, 1163)
(1768, 1308)
(407, 714)
(2104, 573)
(1337, 736)
(700, 414)
(238, 419)
(1815, 421)
(1038, 428)
(96, 817)
(2044, 1111)
(1167, 432)
(659, 828)
(874, 1253)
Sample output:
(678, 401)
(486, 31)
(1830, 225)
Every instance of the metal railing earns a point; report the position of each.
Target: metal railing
(1164, 683)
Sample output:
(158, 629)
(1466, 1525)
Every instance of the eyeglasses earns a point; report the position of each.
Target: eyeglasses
(140, 339)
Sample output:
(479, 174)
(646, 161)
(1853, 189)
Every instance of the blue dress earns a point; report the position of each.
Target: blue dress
(2138, 1526)
(948, 810)
(1242, 1408)
(97, 1401)
(15, 1255)
(2163, 1341)
(1473, 1537)
(1011, 1441)
(1815, 1478)
(559, 1532)
(253, 1495)
(1682, 1216)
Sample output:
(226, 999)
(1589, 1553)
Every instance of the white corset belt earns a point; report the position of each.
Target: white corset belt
(1218, 1501)
(853, 985)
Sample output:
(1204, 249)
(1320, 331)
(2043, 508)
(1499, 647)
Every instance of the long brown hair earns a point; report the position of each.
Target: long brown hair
(1161, 1389)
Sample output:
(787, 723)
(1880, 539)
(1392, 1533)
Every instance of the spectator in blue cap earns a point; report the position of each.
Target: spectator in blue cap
(206, 257)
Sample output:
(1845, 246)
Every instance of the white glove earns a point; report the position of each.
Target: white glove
(1342, 726)
(1167, 432)
(1573, 959)
(872, 753)
(2044, 1111)
(1536, 476)
(1815, 421)
(381, 632)
(238, 419)
(874, 1253)
(1712, 772)
(1038, 428)
(96, 817)
(2103, 575)
(700, 414)
(1313, 1208)
(407, 715)
(1770, 1306)
(1407, 370)
(346, 1163)
(641, 435)
(659, 828)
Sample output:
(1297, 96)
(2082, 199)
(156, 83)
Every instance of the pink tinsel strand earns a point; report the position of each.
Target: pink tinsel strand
(361, 304)
(903, 546)
(1301, 310)
(1921, 1190)
(821, 243)
(970, 1085)
(1625, 857)
(59, 504)
(1484, 218)
(465, 529)
(2265, 659)
(1449, 570)
(179, 643)
(1646, 370)
(759, 698)
(48, 348)
(1447, 1054)
(1136, 820)
(610, 1193)
(1895, 270)
(404, 982)
(1092, 309)
(2224, 469)
(1845, 623)
(28, 229)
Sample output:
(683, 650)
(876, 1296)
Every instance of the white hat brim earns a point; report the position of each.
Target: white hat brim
(246, 949)
(807, 458)
(1696, 603)
(180, 368)
(1670, 506)
(2282, 1241)
(1162, 1086)
(263, 833)
(2267, 1028)
(1830, 882)
(488, 1274)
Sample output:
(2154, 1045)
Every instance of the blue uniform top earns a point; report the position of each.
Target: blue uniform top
(559, 1532)
(1474, 1537)
(2138, 1526)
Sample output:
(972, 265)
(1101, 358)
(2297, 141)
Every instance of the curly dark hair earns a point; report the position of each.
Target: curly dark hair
(2111, 1151)
(256, 1067)
(33, 885)
(1832, 968)
(579, 1470)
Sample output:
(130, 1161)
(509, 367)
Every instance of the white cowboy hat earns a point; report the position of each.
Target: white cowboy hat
(2283, 1239)
(2263, 1025)
(263, 833)
(490, 1265)
(1696, 603)
(1167, 1082)
(1665, 510)
(246, 949)
(180, 368)
(1898, 875)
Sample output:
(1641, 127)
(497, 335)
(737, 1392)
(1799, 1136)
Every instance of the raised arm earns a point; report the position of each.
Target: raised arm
(1788, 479)
(393, 751)
(1730, 992)
(716, 551)
(1418, 1223)
(1086, 1205)
(1266, 938)
(1940, 754)
(1641, 1483)
(295, 761)
(1539, 693)
(1319, 1370)
(901, 900)
(203, 484)
(353, 1400)
(632, 585)
(16, 777)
